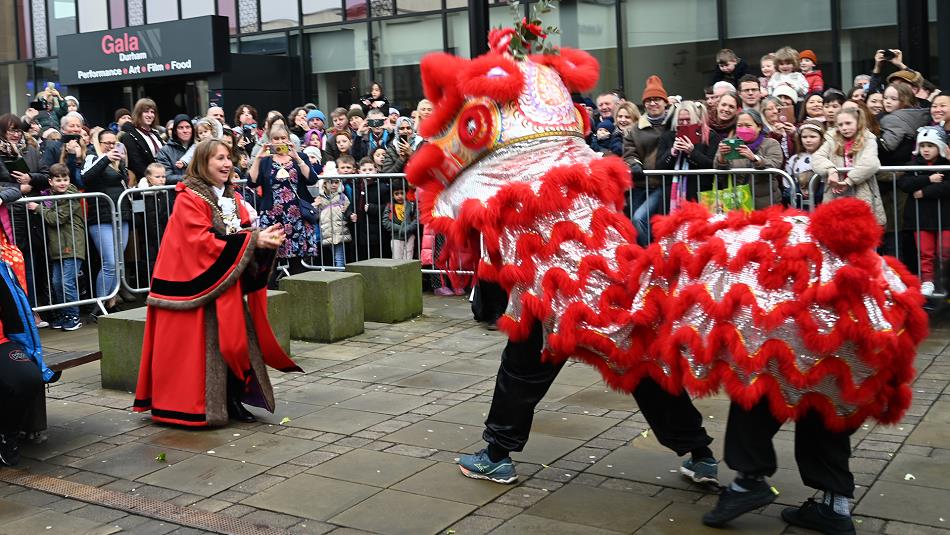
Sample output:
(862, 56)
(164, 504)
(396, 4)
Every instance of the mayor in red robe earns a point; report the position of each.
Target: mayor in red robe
(205, 345)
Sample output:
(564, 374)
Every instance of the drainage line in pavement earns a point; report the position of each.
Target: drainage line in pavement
(138, 505)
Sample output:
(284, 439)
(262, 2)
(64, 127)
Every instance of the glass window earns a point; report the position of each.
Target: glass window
(339, 63)
(196, 8)
(95, 15)
(13, 88)
(47, 71)
(682, 54)
(457, 38)
(136, 12)
(449, 4)
(866, 26)
(322, 11)
(268, 45)
(586, 25)
(398, 45)
(417, 6)
(26, 29)
(117, 13)
(277, 14)
(161, 10)
(62, 20)
(226, 9)
(247, 13)
(8, 41)
(356, 9)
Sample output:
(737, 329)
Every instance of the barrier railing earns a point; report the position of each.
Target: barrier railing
(62, 237)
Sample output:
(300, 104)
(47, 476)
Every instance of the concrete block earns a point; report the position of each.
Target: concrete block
(325, 306)
(393, 288)
(278, 313)
(120, 340)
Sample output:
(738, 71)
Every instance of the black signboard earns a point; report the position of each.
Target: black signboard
(187, 46)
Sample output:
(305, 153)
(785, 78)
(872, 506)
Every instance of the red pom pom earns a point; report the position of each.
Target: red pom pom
(845, 226)
(578, 69)
(492, 76)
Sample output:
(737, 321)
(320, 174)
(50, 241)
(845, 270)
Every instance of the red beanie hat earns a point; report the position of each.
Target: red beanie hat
(808, 54)
(654, 88)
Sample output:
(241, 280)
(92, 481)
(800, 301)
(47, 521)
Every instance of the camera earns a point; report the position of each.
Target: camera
(888, 54)
(375, 123)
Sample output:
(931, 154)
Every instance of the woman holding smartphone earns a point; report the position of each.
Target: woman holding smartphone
(283, 175)
(402, 148)
(691, 145)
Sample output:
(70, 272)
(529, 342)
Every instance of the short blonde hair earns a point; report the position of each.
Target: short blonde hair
(787, 54)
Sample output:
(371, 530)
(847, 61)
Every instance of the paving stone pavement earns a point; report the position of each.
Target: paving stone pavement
(365, 442)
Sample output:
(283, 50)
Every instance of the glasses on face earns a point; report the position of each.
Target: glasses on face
(107, 142)
(654, 100)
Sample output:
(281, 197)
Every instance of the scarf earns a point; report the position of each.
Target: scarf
(657, 121)
(757, 142)
(12, 151)
(722, 127)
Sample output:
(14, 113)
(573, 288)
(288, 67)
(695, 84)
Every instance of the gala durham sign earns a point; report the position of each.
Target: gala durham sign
(187, 46)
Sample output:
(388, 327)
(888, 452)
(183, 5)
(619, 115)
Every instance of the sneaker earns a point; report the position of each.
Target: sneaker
(479, 466)
(704, 471)
(927, 289)
(72, 323)
(443, 291)
(57, 323)
(819, 517)
(733, 504)
(9, 449)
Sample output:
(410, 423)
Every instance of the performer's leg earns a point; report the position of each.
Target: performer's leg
(822, 456)
(748, 451)
(522, 381)
(236, 410)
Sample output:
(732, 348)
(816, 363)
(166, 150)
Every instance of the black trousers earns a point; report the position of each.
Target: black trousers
(822, 455)
(523, 380)
(21, 383)
(489, 302)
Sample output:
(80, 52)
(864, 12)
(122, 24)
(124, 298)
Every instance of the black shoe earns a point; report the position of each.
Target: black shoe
(733, 504)
(55, 377)
(819, 517)
(9, 449)
(236, 411)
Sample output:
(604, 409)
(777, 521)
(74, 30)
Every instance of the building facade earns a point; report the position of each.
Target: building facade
(328, 51)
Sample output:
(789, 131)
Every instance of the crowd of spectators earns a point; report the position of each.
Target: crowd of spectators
(293, 168)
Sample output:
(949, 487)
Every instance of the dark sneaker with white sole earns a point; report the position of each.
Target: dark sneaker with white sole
(733, 504)
(9, 449)
(819, 517)
(703, 471)
(479, 466)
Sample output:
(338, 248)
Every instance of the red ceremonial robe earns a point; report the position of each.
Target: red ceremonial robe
(198, 324)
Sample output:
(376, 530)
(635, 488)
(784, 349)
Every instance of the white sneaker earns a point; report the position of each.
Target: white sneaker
(927, 289)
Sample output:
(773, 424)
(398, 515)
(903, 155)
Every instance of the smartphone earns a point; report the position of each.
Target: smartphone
(281, 149)
(70, 137)
(690, 132)
(38, 105)
(120, 148)
(404, 139)
(786, 114)
(734, 143)
(888, 54)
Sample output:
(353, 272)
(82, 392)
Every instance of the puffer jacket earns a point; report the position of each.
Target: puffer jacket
(861, 178)
(65, 226)
(401, 230)
(334, 210)
(899, 134)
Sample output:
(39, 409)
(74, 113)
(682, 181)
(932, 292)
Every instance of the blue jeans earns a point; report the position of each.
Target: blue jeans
(102, 236)
(339, 255)
(643, 213)
(65, 283)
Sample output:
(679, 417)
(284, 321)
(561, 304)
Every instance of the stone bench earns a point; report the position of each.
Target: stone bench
(278, 313)
(393, 290)
(325, 306)
(120, 341)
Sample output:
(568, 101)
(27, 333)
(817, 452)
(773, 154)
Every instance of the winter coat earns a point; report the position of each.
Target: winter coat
(771, 156)
(861, 178)
(640, 148)
(334, 213)
(933, 210)
(742, 69)
(816, 82)
(794, 79)
(609, 146)
(265, 179)
(138, 149)
(65, 227)
(100, 177)
(170, 153)
(899, 134)
(401, 230)
(702, 157)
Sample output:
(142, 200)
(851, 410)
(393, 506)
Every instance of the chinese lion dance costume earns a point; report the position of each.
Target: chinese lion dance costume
(793, 306)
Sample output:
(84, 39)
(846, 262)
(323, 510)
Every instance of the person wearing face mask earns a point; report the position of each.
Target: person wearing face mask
(639, 150)
(759, 151)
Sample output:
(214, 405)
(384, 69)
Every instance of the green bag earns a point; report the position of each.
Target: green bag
(730, 198)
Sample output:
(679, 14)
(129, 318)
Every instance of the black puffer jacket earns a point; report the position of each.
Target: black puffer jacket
(173, 151)
(100, 177)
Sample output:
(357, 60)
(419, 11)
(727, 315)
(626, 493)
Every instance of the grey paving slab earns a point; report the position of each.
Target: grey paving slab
(370, 467)
(283, 409)
(337, 352)
(401, 513)
(545, 449)
(60, 412)
(131, 461)
(320, 394)
(445, 481)
(10, 511)
(196, 440)
(578, 375)
(646, 466)
(311, 496)
(480, 367)
(679, 518)
(908, 503)
(204, 475)
(53, 523)
(339, 420)
(526, 524)
(61, 440)
(108, 423)
(384, 403)
(416, 360)
(437, 435)
(557, 392)
(465, 413)
(436, 380)
(374, 373)
(934, 429)
(601, 508)
(601, 397)
(919, 471)
(266, 449)
(570, 425)
(466, 342)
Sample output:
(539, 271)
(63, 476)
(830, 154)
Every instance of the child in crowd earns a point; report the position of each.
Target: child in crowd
(787, 63)
(606, 141)
(379, 157)
(767, 66)
(66, 229)
(334, 210)
(730, 67)
(339, 120)
(929, 211)
(808, 63)
(344, 143)
(314, 154)
(368, 166)
(155, 211)
(399, 218)
(808, 139)
(833, 100)
(204, 129)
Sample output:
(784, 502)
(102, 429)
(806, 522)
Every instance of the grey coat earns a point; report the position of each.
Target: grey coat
(861, 179)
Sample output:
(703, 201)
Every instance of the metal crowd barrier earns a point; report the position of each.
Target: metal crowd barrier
(35, 230)
(148, 211)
